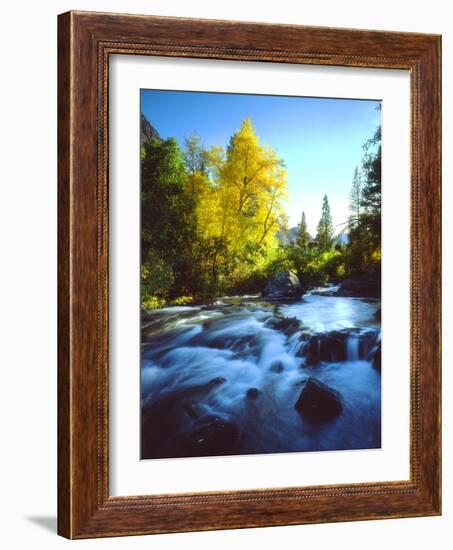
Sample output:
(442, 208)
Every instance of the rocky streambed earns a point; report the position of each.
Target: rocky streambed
(246, 376)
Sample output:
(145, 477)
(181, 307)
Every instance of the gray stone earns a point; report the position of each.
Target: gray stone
(317, 402)
(283, 285)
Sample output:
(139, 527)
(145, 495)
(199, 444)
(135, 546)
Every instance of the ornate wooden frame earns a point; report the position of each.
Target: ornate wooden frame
(85, 41)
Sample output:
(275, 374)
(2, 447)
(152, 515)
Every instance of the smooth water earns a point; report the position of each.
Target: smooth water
(322, 313)
(243, 362)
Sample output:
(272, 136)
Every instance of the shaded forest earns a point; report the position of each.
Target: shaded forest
(213, 220)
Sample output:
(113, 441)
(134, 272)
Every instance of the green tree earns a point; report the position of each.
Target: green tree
(195, 158)
(364, 251)
(240, 215)
(324, 236)
(355, 199)
(303, 237)
(168, 226)
(371, 169)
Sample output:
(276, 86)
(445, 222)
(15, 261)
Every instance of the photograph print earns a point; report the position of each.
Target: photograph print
(260, 274)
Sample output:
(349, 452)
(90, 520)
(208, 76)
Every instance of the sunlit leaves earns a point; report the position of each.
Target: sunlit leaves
(211, 220)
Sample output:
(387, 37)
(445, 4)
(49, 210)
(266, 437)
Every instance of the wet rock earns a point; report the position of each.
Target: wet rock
(283, 285)
(376, 357)
(252, 393)
(179, 398)
(157, 344)
(310, 349)
(304, 340)
(362, 288)
(336, 346)
(318, 402)
(216, 381)
(312, 356)
(333, 346)
(157, 324)
(163, 418)
(246, 344)
(329, 290)
(217, 437)
(367, 339)
(193, 411)
(277, 366)
(287, 325)
(238, 343)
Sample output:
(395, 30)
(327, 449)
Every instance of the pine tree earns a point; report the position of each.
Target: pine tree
(371, 168)
(324, 236)
(365, 235)
(355, 200)
(303, 237)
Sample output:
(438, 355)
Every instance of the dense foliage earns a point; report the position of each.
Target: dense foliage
(213, 220)
(364, 251)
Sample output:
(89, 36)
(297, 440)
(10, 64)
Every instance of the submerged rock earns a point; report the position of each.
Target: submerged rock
(163, 419)
(376, 357)
(217, 437)
(277, 366)
(287, 325)
(252, 393)
(215, 382)
(283, 285)
(318, 402)
(241, 344)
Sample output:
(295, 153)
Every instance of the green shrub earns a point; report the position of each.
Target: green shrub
(182, 301)
(152, 302)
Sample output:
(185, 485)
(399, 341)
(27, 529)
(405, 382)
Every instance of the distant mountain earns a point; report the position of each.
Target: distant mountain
(288, 236)
(147, 130)
(292, 234)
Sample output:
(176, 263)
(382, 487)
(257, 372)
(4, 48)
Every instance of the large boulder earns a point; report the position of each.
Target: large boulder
(317, 402)
(283, 285)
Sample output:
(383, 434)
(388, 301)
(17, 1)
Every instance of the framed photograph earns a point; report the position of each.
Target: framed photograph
(249, 275)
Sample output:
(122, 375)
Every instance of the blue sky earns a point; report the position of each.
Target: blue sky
(319, 139)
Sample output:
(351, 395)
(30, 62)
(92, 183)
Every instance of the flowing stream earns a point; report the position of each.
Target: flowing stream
(225, 378)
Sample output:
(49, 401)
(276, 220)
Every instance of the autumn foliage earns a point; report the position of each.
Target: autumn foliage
(212, 221)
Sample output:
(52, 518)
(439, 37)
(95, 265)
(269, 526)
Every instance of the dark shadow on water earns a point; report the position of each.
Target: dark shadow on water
(49, 523)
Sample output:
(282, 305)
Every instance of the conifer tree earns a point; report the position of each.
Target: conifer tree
(303, 237)
(355, 200)
(324, 236)
(371, 168)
